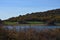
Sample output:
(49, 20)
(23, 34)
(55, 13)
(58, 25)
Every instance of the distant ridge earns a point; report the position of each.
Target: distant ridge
(38, 16)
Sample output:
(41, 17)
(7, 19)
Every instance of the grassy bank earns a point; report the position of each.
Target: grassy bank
(34, 22)
(10, 23)
(29, 23)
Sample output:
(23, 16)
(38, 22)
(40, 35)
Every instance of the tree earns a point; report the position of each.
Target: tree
(1, 22)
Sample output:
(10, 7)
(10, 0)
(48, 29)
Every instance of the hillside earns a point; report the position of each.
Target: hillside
(38, 16)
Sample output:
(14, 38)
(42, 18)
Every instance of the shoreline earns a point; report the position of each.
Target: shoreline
(33, 25)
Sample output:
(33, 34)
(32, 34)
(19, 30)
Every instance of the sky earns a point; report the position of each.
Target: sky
(13, 8)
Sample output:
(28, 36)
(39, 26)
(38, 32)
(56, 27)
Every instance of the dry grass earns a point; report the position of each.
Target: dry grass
(48, 34)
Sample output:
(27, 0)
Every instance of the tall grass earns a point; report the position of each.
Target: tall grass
(30, 34)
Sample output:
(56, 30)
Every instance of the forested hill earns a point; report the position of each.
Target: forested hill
(38, 16)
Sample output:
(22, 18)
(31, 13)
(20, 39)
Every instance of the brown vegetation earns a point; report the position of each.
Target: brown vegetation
(47, 34)
(38, 16)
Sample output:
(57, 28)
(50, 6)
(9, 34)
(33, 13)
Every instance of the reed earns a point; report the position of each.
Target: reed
(30, 34)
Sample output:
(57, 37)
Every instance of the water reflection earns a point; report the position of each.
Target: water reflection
(24, 28)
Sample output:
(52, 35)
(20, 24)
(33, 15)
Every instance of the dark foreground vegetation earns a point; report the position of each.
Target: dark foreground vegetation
(30, 34)
(50, 17)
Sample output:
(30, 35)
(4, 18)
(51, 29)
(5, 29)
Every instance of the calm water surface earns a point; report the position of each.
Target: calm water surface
(26, 27)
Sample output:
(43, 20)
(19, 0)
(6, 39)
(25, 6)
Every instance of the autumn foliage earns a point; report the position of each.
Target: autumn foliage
(37, 16)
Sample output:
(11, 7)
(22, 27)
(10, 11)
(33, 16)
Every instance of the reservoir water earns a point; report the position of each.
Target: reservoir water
(26, 27)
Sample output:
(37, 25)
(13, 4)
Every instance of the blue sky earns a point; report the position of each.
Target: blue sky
(13, 8)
